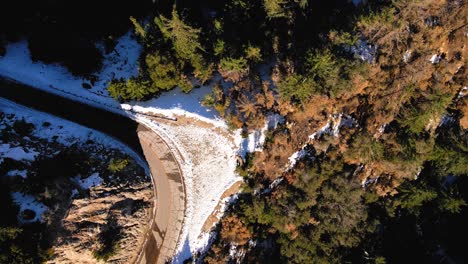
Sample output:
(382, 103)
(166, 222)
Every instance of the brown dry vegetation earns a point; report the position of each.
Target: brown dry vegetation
(385, 91)
(405, 111)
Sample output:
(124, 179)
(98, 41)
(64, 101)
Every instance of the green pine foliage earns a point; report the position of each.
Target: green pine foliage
(163, 73)
(132, 89)
(412, 197)
(253, 53)
(414, 117)
(451, 204)
(233, 64)
(366, 149)
(297, 88)
(139, 30)
(184, 38)
(11, 250)
(219, 47)
(117, 165)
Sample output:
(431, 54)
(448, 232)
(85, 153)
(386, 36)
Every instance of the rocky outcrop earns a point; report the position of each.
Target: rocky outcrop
(124, 208)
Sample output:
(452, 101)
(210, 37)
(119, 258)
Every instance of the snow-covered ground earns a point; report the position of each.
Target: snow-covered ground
(210, 165)
(28, 202)
(176, 103)
(88, 182)
(22, 173)
(256, 139)
(16, 153)
(206, 149)
(54, 78)
(57, 129)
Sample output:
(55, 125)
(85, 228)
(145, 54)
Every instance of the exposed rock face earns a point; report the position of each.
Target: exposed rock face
(125, 208)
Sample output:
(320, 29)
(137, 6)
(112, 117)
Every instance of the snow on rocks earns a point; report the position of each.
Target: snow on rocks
(28, 202)
(20, 173)
(435, 59)
(463, 92)
(255, 139)
(298, 155)
(364, 51)
(381, 129)
(446, 120)
(368, 181)
(87, 183)
(16, 153)
(332, 127)
(272, 185)
(407, 56)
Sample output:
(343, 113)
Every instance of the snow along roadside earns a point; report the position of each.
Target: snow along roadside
(67, 136)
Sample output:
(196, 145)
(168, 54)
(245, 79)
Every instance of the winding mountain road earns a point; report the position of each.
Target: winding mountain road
(169, 198)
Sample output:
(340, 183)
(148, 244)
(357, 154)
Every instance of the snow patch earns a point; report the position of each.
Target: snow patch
(298, 155)
(332, 127)
(177, 103)
(369, 181)
(91, 181)
(122, 62)
(358, 2)
(28, 202)
(448, 181)
(62, 131)
(463, 92)
(272, 185)
(74, 193)
(435, 59)
(16, 153)
(21, 173)
(255, 139)
(364, 51)
(407, 56)
(446, 119)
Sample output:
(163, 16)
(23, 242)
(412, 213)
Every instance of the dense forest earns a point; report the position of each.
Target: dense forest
(388, 185)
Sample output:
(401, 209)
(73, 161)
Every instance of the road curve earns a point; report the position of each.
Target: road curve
(165, 230)
(167, 218)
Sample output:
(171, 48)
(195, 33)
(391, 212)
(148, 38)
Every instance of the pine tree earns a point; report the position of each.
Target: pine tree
(185, 39)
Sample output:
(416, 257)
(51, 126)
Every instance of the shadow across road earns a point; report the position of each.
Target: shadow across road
(118, 126)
